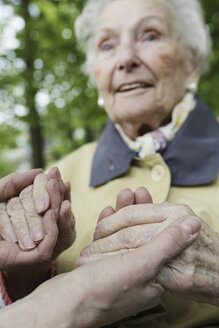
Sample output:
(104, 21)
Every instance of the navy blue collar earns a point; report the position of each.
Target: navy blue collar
(192, 156)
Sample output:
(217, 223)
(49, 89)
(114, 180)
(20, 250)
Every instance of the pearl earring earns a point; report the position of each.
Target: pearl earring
(100, 102)
(192, 87)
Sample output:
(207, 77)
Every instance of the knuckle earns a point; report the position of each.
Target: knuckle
(182, 209)
(53, 183)
(13, 183)
(14, 205)
(26, 193)
(175, 236)
(129, 213)
(103, 245)
(127, 238)
(21, 228)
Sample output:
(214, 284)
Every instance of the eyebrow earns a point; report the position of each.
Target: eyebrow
(108, 30)
(150, 17)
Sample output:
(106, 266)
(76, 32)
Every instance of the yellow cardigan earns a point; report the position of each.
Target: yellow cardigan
(152, 173)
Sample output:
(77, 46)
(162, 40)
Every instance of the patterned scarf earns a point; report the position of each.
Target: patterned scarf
(157, 140)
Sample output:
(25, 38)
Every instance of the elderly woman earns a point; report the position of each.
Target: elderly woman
(146, 57)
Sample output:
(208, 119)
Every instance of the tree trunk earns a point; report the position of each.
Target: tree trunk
(33, 117)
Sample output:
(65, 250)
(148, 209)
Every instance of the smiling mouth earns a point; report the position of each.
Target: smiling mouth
(133, 86)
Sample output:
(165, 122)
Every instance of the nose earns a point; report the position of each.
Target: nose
(127, 58)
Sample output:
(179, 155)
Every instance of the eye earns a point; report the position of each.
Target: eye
(150, 36)
(106, 47)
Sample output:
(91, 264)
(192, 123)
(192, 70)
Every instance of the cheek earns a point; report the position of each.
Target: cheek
(97, 73)
(165, 66)
(169, 64)
(102, 77)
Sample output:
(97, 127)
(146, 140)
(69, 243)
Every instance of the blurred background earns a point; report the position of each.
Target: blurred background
(47, 107)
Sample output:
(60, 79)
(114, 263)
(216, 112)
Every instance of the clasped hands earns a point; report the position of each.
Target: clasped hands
(194, 274)
(41, 226)
(33, 223)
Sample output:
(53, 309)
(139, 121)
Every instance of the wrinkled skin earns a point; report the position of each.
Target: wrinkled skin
(31, 239)
(145, 48)
(194, 274)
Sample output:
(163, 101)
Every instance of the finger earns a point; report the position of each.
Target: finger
(43, 252)
(46, 247)
(55, 195)
(55, 174)
(66, 225)
(6, 229)
(19, 223)
(13, 184)
(124, 198)
(140, 214)
(40, 193)
(34, 220)
(82, 260)
(107, 211)
(164, 247)
(150, 258)
(127, 238)
(67, 195)
(142, 196)
(168, 244)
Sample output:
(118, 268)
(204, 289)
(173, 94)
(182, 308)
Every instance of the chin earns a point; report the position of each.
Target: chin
(136, 115)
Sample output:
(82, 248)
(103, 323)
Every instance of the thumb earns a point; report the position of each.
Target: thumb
(14, 183)
(66, 225)
(167, 245)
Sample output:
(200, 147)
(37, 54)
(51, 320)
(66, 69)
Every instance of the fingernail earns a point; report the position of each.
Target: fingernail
(40, 205)
(28, 243)
(82, 260)
(37, 234)
(191, 225)
(85, 251)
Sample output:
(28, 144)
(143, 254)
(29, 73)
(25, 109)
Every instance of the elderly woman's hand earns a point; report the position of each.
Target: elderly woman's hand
(21, 223)
(194, 274)
(30, 241)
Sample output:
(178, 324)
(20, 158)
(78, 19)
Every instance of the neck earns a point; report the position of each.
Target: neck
(134, 130)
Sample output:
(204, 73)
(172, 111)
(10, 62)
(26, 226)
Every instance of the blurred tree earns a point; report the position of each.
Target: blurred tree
(43, 90)
(210, 81)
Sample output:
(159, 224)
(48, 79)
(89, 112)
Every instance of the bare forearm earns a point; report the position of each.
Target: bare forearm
(62, 302)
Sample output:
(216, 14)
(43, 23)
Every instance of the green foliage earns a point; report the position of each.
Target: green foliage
(8, 136)
(210, 81)
(47, 65)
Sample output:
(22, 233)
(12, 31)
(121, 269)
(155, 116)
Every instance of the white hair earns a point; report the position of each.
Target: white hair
(187, 18)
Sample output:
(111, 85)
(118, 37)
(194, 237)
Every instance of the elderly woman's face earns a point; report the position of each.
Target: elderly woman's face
(140, 67)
